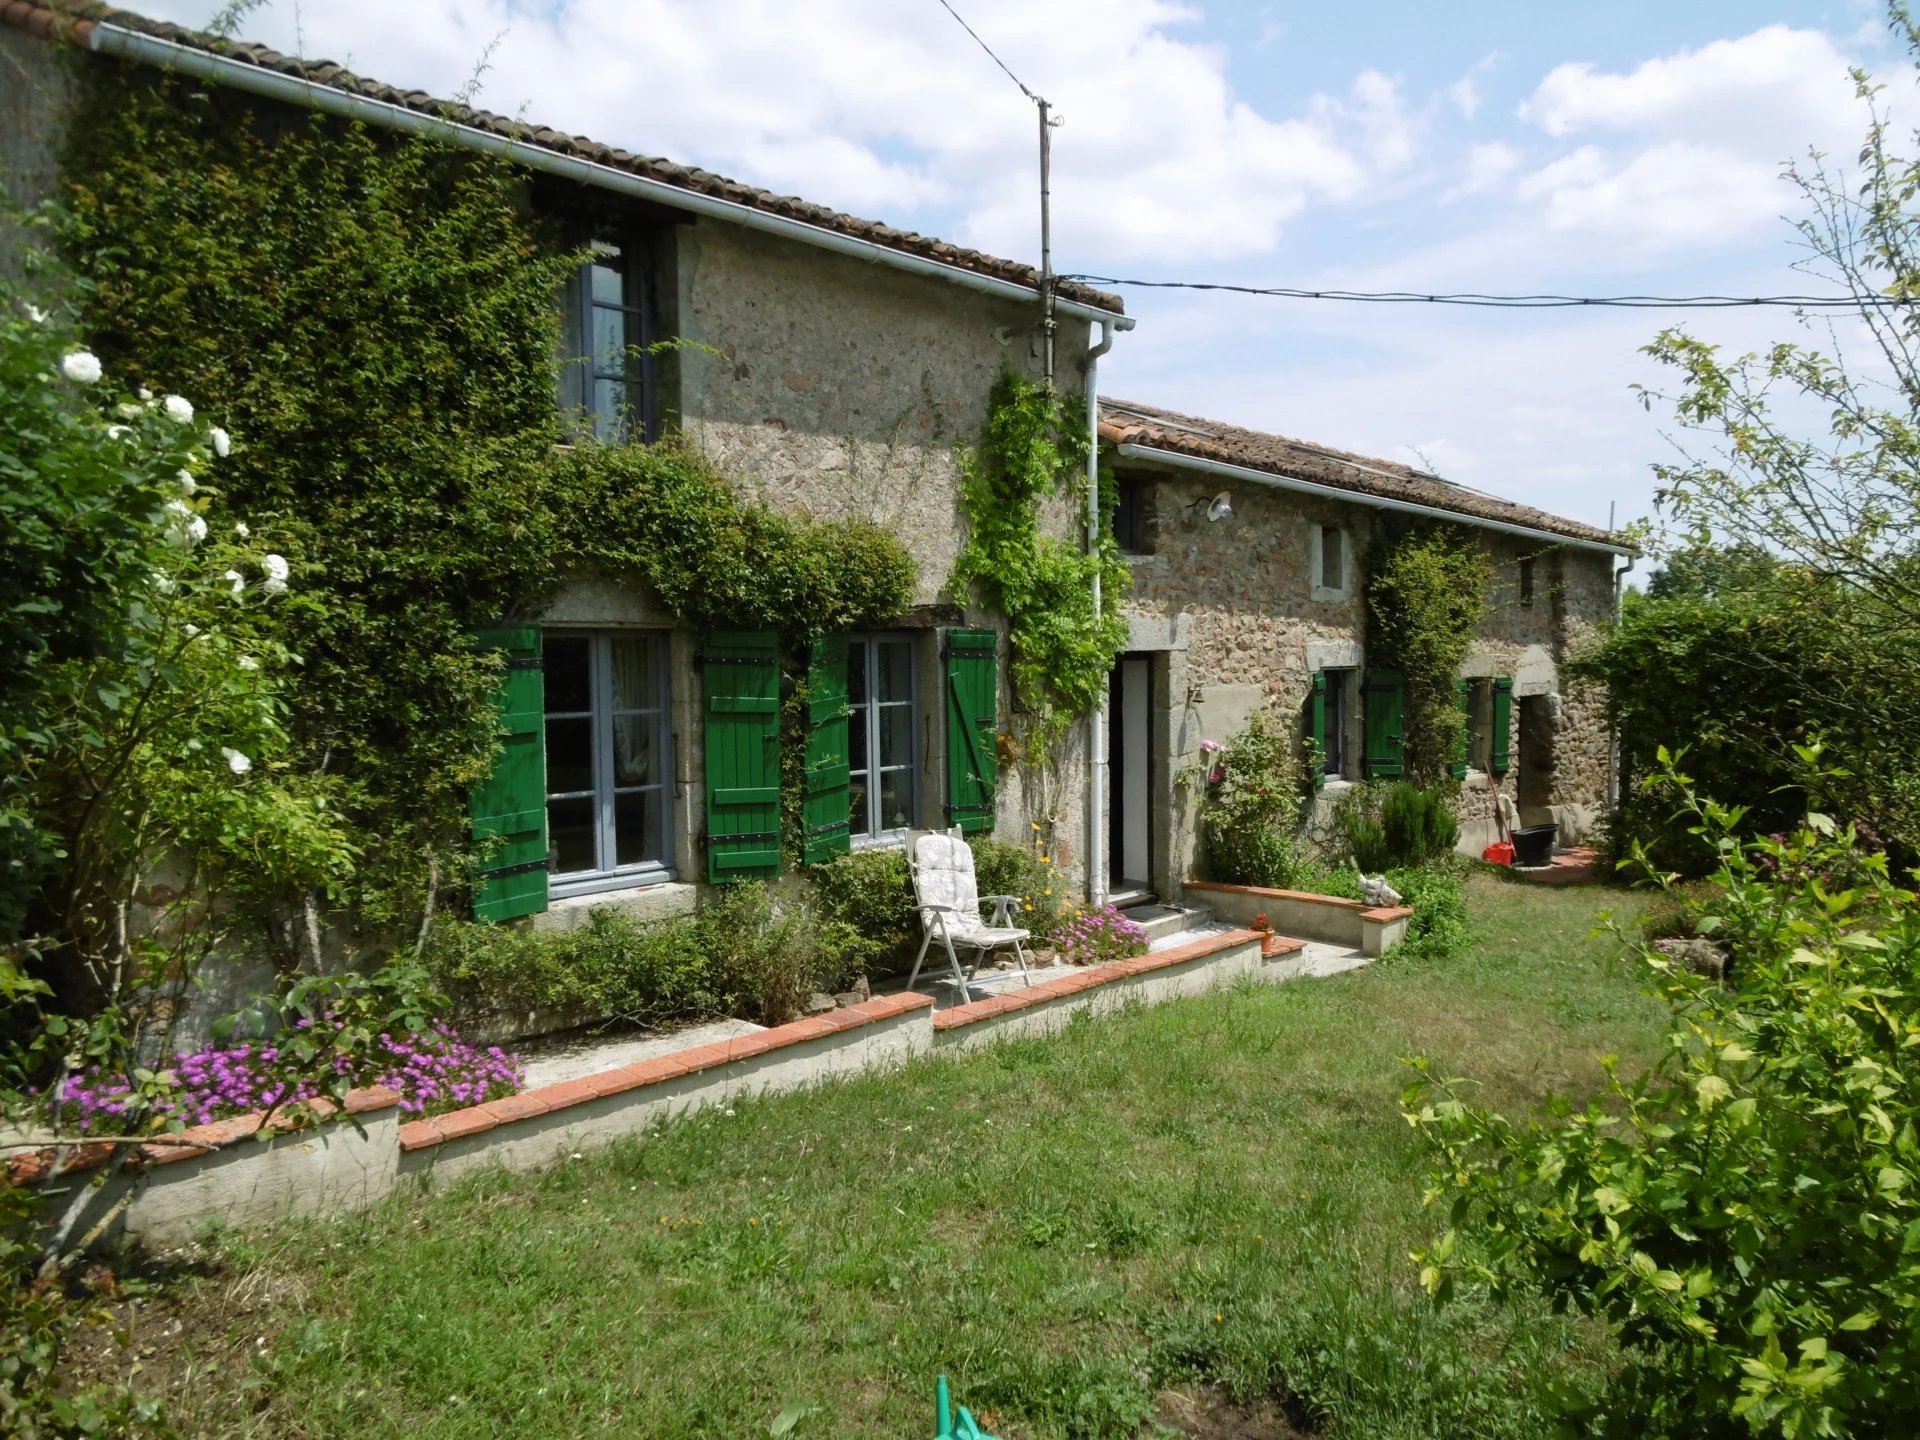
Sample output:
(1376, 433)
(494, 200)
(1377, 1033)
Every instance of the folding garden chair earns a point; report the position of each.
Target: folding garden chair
(948, 898)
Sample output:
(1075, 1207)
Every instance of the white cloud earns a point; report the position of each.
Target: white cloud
(1487, 165)
(1465, 96)
(887, 110)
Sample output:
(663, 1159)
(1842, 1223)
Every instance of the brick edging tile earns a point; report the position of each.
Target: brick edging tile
(546, 1099)
(1091, 978)
(32, 1166)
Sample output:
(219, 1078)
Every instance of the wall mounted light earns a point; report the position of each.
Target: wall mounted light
(1220, 507)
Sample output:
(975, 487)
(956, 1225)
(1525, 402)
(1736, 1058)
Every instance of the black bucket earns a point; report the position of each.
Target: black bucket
(1533, 844)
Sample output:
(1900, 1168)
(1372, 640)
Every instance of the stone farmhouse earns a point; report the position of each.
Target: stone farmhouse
(830, 365)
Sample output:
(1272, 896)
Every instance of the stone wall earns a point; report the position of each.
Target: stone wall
(36, 89)
(1252, 629)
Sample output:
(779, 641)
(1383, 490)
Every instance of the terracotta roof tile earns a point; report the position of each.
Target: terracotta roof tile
(1122, 422)
(68, 19)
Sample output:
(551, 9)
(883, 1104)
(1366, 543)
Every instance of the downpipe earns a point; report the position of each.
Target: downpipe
(1097, 777)
(1613, 726)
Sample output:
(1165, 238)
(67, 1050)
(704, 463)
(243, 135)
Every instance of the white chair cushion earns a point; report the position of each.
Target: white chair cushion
(989, 935)
(943, 875)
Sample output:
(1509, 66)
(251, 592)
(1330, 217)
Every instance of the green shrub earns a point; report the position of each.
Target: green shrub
(1744, 1217)
(871, 894)
(1002, 869)
(610, 969)
(769, 952)
(1439, 929)
(1397, 826)
(1250, 807)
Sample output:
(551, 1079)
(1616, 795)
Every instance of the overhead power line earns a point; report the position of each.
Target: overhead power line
(1521, 302)
(990, 55)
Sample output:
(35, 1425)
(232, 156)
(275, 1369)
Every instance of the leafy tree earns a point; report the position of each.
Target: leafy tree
(1744, 1217)
(1844, 506)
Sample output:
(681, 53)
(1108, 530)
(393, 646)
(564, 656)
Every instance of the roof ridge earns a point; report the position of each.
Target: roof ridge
(1198, 437)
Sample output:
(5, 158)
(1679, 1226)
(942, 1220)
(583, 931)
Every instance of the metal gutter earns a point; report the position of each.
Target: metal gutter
(115, 40)
(1356, 497)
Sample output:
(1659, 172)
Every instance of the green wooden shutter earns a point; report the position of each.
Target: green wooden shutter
(1385, 728)
(973, 691)
(1317, 726)
(829, 832)
(509, 807)
(1463, 694)
(1502, 726)
(740, 674)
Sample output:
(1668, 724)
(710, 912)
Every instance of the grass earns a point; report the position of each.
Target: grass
(1217, 1192)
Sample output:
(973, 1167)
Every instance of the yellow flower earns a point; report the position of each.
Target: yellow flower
(1046, 892)
(1027, 906)
(1036, 825)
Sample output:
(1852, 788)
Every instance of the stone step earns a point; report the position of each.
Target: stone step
(1160, 921)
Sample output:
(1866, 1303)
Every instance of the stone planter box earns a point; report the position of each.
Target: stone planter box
(1330, 919)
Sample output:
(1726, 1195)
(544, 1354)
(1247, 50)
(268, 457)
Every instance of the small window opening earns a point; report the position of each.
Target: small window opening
(1526, 582)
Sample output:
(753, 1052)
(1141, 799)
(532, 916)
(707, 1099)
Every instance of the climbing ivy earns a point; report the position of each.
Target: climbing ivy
(1063, 647)
(374, 320)
(1426, 594)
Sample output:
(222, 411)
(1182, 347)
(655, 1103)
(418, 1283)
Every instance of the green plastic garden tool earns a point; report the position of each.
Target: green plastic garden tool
(950, 1427)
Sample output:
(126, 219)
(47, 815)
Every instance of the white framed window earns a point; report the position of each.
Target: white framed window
(1330, 562)
(607, 371)
(883, 792)
(608, 759)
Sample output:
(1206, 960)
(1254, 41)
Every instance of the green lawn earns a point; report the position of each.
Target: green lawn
(1217, 1192)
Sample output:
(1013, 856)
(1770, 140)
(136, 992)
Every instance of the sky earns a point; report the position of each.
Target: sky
(1586, 148)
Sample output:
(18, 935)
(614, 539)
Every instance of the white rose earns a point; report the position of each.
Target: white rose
(236, 762)
(277, 570)
(187, 483)
(163, 582)
(177, 409)
(247, 662)
(127, 410)
(145, 393)
(240, 529)
(183, 526)
(82, 367)
(36, 314)
(118, 432)
(222, 443)
(191, 629)
(239, 580)
(197, 529)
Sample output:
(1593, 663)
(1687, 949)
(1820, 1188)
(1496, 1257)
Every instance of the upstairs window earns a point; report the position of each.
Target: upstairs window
(882, 795)
(1132, 515)
(606, 372)
(1331, 562)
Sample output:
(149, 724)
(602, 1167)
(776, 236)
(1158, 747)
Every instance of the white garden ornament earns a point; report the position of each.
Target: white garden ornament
(82, 367)
(1375, 890)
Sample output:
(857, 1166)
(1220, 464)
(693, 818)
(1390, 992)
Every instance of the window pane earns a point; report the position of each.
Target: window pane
(565, 667)
(857, 802)
(569, 755)
(609, 341)
(896, 799)
(633, 750)
(636, 672)
(570, 836)
(609, 282)
(636, 827)
(895, 664)
(609, 408)
(857, 672)
(1330, 558)
(896, 734)
(857, 738)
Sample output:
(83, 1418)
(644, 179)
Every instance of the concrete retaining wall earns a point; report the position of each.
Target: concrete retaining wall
(222, 1173)
(1332, 919)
